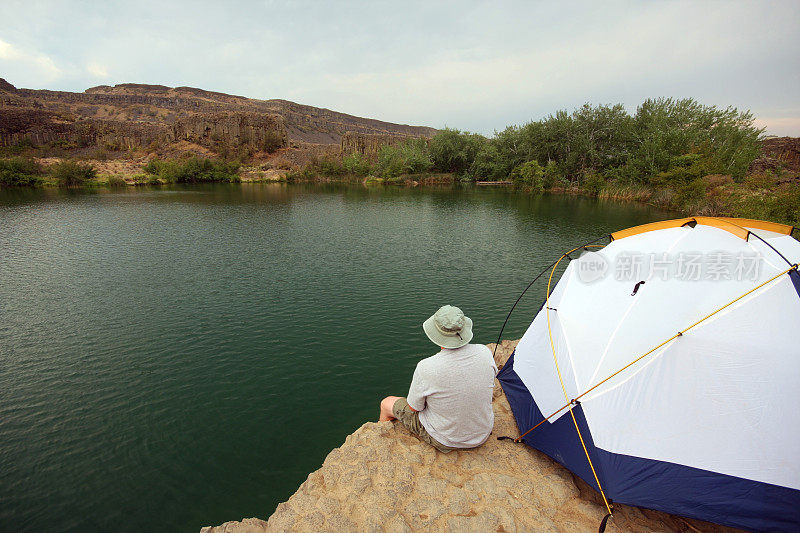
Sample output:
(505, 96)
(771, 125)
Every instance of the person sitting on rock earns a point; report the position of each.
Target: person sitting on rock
(449, 403)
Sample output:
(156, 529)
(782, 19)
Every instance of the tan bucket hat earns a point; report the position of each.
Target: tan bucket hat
(448, 327)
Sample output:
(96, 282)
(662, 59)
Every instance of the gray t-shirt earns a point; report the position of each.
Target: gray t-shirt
(452, 391)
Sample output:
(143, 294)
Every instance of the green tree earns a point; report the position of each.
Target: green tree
(356, 164)
(416, 156)
(71, 173)
(665, 128)
(530, 174)
(454, 151)
(487, 164)
(390, 162)
(593, 183)
(409, 157)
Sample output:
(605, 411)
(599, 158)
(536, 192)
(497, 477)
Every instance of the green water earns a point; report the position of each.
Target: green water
(173, 358)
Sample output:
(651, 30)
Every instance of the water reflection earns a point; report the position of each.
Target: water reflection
(162, 340)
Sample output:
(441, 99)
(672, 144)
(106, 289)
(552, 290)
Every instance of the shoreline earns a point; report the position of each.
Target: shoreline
(757, 197)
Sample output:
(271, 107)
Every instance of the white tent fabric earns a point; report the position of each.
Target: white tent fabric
(722, 397)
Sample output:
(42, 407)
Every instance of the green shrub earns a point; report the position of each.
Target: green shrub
(19, 148)
(487, 164)
(304, 174)
(116, 181)
(409, 157)
(685, 169)
(71, 173)
(193, 170)
(454, 151)
(552, 175)
(593, 183)
(757, 182)
(786, 206)
(19, 171)
(272, 141)
(690, 194)
(415, 155)
(530, 174)
(606, 139)
(780, 205)
(390, 162)
(328, 167)
(356, 164)
(141, 179)
(666, 128)
(622, 175)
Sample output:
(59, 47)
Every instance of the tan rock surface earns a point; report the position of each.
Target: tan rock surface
(384, 479)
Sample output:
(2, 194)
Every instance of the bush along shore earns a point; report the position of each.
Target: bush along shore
(674, 154)
(21, 171)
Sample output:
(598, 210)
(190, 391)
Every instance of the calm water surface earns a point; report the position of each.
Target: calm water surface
(173, 358)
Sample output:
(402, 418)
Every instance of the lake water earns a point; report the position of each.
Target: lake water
(178, 357)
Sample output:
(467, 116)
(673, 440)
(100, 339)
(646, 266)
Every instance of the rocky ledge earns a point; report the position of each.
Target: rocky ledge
(384, 479)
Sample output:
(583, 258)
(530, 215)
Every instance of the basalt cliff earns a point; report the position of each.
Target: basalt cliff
(384, 479)
(131, 115)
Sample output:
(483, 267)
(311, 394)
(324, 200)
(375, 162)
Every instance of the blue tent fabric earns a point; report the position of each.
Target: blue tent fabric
(648, 483)
(795, 277)
(559, 440)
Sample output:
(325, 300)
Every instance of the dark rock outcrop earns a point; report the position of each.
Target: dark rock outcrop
(132, 114)
(5, 86)
(260, 131)
(368, 144)
(779, 154)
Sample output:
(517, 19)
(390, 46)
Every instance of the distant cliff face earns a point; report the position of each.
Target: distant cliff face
(130, 115)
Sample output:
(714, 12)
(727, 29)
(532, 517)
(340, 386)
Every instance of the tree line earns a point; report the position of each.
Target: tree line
(666, 141)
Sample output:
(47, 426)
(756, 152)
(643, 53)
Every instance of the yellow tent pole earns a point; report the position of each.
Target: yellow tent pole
(564, 389)
(587, 391)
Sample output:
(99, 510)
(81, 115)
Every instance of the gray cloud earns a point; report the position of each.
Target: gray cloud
(475, 66)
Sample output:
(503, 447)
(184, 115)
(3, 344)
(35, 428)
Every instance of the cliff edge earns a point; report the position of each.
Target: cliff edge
(384, 479)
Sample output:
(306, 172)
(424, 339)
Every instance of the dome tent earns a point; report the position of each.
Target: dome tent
(668, 391)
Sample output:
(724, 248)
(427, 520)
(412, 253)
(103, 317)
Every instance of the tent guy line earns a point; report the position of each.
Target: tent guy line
(573, 402)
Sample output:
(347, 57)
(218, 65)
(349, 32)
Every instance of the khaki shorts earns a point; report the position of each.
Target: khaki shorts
(410, 419)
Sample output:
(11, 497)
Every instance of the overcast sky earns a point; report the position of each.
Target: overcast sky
(470, 65)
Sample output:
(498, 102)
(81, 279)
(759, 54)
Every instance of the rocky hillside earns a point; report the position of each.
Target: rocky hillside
(133, 115)
(384, 479)
(779, 154)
